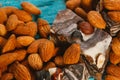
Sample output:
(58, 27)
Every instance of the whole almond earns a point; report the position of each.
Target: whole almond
(10, 44)
(7, 76)
(20, 71)
(33, 48)
(86, 5)
(9, 9)
(35, 61)
(28, 29)
(111, 4)
(6, 59)
(25, 40)
(96, 19)
(115, 46)
(3, 30)
(114, 15)
(114, 59)
(30, 8)
(111, 77)
(2, 70)
(12, 22)
(46, 50)
(3, 16)
(72, 4)
(113, 70)
(72, 54)
(22, 15)
(43, 28)
(79, 11)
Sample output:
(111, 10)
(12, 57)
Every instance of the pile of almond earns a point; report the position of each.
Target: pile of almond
(21, 54)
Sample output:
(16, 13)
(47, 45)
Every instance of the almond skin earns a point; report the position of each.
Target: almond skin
(79, 11)
(113, 70)
(10, 44)
(20, 71)
(6, 59)
(33, 48)
(35, 61)
(2, 41)
(114, 59)
(114, 15)
(3, 16)
(111, 77)
(46, 50)
(12, 22)
(3, 30)
(86, 5)
(28, 29)
(72, 4)
(21, 54)
(22, 15)
(43, 28)
(72, 54)
(9, 9)
(25, 40)
(7, 76)
(49, 65)
(115, 46)
(112, 4)
(30, 8)
(59, 60)
(96, 20)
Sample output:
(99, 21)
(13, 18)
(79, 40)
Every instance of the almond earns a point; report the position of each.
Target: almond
(9, 9)
(43, 28)
(2, 70)
(49, 65)
(111, 4)
(33, 48)
(72, 4)
(35, 61)
(28, 29)
(6, 59)
(3, 16)
(114, 59)
(79, 11)
(2, 41)
(25, 40)
(7, 76)
(114, 15)
(46, 50)
(72, 54)
(21, 54)
(96, 19)
(20, 71)
(30, 8)
(59, 60)
(86, 5)
(111, 77)
(10, 44)
(115, 46)
(12, 22)
(3, 30)
(113, 70)
(22, 15)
